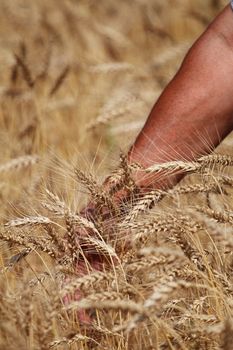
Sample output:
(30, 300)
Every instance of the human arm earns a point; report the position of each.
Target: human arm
(195, 111)
(191, 117)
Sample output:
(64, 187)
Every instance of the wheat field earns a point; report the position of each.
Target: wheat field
(78, 80)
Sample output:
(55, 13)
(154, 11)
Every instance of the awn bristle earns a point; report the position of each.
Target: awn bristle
(154, 271)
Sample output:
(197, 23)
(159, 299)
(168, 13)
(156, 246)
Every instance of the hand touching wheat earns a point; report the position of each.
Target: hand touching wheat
(191, 117)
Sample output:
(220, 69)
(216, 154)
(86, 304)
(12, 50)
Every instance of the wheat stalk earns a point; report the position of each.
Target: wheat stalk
(19, 163)
(28, 220)
(123, 305)
(222, 217)
(198, 165)
(113, 110)
(85, 282)
(77, 338)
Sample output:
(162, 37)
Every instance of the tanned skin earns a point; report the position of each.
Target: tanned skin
(195, 111)
(190, 118)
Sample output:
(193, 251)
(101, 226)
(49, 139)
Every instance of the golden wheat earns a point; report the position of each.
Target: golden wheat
(152, 272)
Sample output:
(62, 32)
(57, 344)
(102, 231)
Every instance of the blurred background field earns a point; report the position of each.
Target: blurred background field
(78, 78)
(66, 64)
(77, 81)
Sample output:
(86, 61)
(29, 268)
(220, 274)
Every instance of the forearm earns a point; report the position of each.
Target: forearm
(195, 111)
